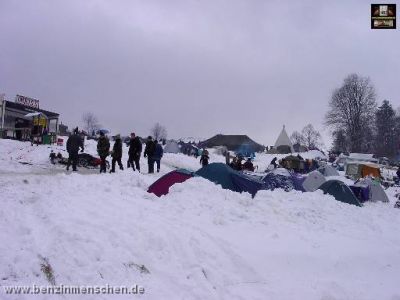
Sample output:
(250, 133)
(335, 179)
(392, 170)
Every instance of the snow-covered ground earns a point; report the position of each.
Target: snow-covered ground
(198, 242)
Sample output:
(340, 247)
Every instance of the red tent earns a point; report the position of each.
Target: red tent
(162, 185)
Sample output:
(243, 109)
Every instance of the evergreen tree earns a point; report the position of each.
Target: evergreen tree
(385, 139)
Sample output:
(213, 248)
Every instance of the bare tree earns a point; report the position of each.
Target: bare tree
(352, 109)
(159, 132)
(90, 122)
(297, 138)
(312, 138)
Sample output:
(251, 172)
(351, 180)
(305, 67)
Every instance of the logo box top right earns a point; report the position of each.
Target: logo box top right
(383, 16)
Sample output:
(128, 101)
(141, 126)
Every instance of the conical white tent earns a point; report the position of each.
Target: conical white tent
(283, 140)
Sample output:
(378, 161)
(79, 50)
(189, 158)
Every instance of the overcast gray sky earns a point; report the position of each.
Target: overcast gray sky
(198, 67)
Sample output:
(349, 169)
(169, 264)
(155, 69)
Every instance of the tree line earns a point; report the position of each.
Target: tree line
(358, 124)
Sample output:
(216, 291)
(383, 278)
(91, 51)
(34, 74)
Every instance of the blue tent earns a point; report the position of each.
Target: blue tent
(230, 179)
(246, 150)
(340, 191)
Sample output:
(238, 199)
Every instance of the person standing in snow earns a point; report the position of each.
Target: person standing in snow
(103, 149)
(74, 142)
(204, 158)
(149, 153)
(135, 150)
(117, 154)
(158, 153)
(273, 162)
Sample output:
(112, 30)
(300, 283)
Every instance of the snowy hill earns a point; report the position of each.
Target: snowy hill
(198, 242)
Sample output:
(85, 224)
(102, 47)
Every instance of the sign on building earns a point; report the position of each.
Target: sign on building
(30, 102)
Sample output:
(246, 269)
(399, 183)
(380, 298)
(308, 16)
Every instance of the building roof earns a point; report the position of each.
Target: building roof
(283, 140)
(26, 109)
(232, 142)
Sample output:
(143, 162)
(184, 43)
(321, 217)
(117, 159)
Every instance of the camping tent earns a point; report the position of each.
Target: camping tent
(162, 185)
(171, 147)
(245, 150)
(281, 171)
(292, 162)
(328, 170)
(298, 180)
(275, 181)
(359, 170)
(283, 140)
(313, 181)
(340, 191)
(230, 179)
(367, 189)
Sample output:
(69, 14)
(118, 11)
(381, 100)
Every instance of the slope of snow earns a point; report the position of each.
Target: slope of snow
(198, 242)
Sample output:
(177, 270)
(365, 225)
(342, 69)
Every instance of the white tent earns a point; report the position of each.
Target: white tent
(283, 140)
(376, 192)
(172, 147)
(328, 170)
(313, 181)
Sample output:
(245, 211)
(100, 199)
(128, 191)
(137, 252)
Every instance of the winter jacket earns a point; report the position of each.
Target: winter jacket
(135, 147)
(204, 159)
(150, 149)
(103, 146)
(73, 143)
(248, 165)
(117, 149)
(158, 152)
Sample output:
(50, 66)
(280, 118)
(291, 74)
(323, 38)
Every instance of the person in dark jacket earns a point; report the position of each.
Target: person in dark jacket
(273, 162)
(149, 153)
(103, 149)
(74, 142)
(204, 158)
(248, 165)
(116, 154)
(158, 154)
(135, 150)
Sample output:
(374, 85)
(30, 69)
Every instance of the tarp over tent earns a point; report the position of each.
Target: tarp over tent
(340, 191)
(313, 181)
(328, 170)
(172, 147)
(230, 179)
(274, 181)
(161, 186)
(367, 189)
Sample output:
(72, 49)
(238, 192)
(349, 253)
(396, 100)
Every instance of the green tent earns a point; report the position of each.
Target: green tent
(340, 191)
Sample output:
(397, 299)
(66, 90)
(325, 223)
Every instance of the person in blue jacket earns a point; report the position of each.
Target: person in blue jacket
(158, 154)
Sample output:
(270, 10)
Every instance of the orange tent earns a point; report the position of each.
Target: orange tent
(371, 170)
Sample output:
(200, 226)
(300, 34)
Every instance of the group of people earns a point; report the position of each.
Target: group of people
(238, 165)
(153, 152)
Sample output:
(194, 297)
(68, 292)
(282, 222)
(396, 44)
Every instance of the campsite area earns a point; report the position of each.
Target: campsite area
(199, 241)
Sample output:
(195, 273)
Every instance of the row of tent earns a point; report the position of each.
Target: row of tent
(244, 150)
(221, 174)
